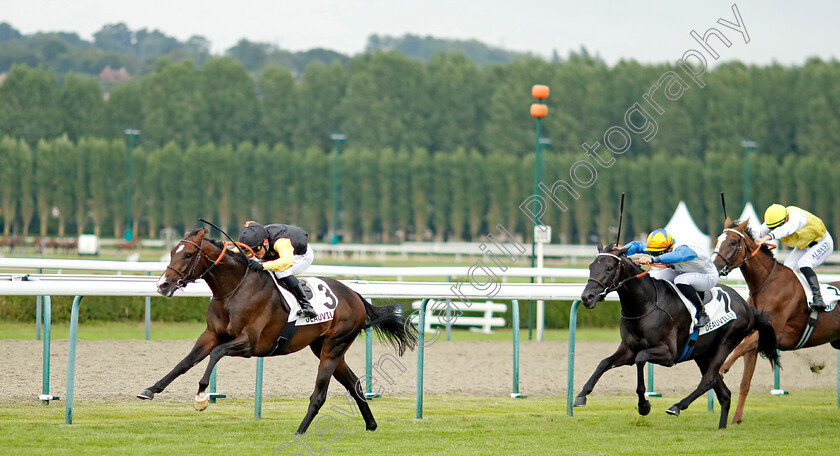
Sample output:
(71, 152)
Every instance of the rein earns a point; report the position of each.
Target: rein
(183, 279)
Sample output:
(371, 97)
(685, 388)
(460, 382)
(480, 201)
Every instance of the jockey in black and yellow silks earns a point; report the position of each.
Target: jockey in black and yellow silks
(806, 233)
(284, 251)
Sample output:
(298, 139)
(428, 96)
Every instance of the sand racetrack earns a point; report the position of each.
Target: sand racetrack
(117, 370)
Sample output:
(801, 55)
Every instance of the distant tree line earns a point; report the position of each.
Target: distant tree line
(117, 46)
(436, 150)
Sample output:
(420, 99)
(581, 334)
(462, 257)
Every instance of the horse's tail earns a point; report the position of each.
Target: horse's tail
(391, 326)
(767, 341)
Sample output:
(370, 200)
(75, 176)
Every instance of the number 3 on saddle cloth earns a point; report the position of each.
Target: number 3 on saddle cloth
(323, 301)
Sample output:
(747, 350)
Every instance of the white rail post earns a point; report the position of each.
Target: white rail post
(542, 235)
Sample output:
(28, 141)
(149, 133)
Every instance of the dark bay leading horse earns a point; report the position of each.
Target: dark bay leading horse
(247, 314)
(776, 290)
(655, 328)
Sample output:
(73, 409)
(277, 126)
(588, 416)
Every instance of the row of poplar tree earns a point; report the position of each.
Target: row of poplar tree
(66, 188)
(436, 150)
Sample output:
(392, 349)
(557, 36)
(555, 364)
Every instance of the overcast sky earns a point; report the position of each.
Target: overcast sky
(646, 30)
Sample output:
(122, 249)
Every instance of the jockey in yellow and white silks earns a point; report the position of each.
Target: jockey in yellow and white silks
(689, 268)
(284, 251)
(806, 233)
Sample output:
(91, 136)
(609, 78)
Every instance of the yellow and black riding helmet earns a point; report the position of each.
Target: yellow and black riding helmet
(659, 241)
(253, 234)
(775, 215)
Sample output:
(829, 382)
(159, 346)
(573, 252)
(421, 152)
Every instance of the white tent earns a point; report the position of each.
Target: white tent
(685, 231)
(749, 213)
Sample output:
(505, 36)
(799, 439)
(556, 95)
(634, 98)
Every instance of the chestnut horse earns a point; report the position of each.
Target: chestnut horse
(655, 328)
(774, 289)
(247, 314)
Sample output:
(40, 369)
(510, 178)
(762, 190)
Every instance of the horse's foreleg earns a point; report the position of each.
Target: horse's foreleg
(240, 346)
(644, 404)
(348, 379)
(749, 369)
(205, 343)
(622, 357)
(750, 343)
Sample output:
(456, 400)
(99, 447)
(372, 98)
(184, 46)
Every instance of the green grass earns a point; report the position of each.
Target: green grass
(160, 330)
(804, 423)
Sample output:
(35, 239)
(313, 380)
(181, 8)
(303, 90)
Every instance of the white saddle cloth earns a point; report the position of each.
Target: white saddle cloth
(719, 309)
(830, 293)
(320, 295)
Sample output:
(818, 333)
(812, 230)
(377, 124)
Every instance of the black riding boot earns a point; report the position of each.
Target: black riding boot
(293, 285)
(811, 277)
(694, 297)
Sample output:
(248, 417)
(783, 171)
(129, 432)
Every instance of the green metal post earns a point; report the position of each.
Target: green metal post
(258, 391)
(650, 391)
(45, 389)
(515, 323)
(570, 374)
(421, 324)
(838, 378)
(711, 395)
(129, 195)
(71, 359)
(537, 178)
(213, 385)
(368, 361)
(148, 314)
(37, 318)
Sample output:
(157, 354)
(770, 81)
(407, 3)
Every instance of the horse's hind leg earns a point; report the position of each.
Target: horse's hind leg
(644, 403)
(237, 347)
(331, 355)
(749, 369)
(622, 357)
(750, 343)
(348, 379)
(203, 346)
(711, 379)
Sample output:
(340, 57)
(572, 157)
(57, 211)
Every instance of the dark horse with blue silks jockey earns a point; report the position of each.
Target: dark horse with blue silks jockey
(656, 327)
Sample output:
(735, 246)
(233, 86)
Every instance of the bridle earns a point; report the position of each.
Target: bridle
(183, 277)
(619, 272)
(742, 246)
(728, 267)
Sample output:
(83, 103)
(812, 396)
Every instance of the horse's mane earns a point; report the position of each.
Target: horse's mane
(764, 249)
(217, 244)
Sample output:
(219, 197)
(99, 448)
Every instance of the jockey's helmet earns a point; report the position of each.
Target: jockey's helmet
(252, 234)
(659, 241)
(775, 215)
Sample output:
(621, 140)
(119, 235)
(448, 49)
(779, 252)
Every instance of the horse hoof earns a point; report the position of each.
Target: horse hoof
(580, 401)
(644, 408)
(371, 427)
(201, 401)
(673, 410)
(146, 394)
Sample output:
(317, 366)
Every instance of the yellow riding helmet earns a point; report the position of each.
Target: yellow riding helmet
(659, 241)
(775, 215)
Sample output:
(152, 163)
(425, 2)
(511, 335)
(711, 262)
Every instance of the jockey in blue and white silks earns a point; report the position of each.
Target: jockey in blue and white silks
(689, 268)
